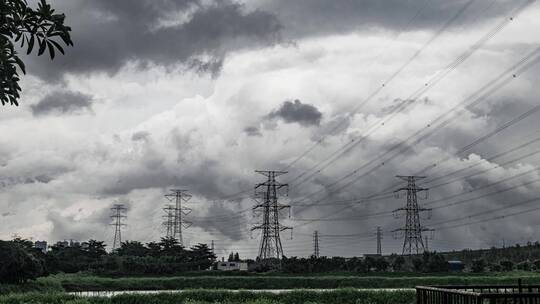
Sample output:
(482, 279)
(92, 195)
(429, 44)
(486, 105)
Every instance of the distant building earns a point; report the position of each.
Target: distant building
(41, 245)
(456, 266)
(70, 243)
(63, 243)
(372, 255)
(230, 266)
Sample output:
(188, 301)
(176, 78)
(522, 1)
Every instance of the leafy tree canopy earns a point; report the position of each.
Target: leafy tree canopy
(42, 29)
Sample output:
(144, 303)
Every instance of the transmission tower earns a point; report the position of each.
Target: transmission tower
(178, 197)
(118, 213)
(379, 238)
(266, 196)
(316, 252)
(413, 229)
(170, 211)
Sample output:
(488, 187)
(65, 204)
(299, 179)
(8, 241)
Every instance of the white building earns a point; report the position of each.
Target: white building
(41, 245)
(229, 266)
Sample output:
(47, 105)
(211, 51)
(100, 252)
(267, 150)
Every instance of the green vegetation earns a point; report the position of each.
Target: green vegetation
(343, 296)
(82, 282)
(40, 285)
(287, 282)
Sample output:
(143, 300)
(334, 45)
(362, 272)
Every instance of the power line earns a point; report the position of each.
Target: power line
(524, 64)
(385, 82)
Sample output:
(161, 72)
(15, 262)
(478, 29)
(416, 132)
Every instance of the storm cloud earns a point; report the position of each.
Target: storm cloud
(63, 102)
(198, 34)
(297, 112)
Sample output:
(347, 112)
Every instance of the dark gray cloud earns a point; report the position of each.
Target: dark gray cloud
(141, 135)
(252, 131)
(297, 112)
(63, 102)
(319, 17)
(108, 34)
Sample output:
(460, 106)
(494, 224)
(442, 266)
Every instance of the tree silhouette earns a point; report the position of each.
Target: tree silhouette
(21, 24)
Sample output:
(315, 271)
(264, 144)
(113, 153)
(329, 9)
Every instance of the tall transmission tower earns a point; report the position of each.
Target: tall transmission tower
(178, 197)
(117, 215)
(413, 229)
(379, 238)
(316, 252)
(266, 196)
(168, 223)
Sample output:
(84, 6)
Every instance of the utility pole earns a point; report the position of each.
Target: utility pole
(118, 213)
(379, 238)
(316, 244)
(266, 196)
(413, 229)
(426, 244)
(178, 197)
(170, 211)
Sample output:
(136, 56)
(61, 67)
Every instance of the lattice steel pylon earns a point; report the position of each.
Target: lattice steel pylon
(266, 196)
(316, 252)
(413, 229)
(168, 223)
(118, 213)
(178, 197)
(379, 239)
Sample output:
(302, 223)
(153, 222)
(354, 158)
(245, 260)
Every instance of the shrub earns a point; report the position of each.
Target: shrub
(478, 265)
(525, 266)
(506, 265)
(17, 265)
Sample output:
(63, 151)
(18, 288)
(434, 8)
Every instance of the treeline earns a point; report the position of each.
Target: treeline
(428, 262)
(516, 254)
(20, 261)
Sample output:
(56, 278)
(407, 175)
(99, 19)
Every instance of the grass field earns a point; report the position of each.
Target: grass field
(81, 283)
(84, 282)
(343, 296)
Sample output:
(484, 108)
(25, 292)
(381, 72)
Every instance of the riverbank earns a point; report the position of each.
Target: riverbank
(341, 296)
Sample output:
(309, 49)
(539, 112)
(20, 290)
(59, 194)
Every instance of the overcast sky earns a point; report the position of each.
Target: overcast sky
(197, 94)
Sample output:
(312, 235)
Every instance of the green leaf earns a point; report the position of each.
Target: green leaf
(19, 35)
(51, 49)
(57, 45)
(21, 65)
(42, 47)
(30, 45)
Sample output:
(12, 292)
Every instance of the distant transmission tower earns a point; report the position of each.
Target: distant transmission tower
(266, 196)
(316, 252)
(118, 213)
(413, 229)
(379, 238)
(178, 197)
(168, 223)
